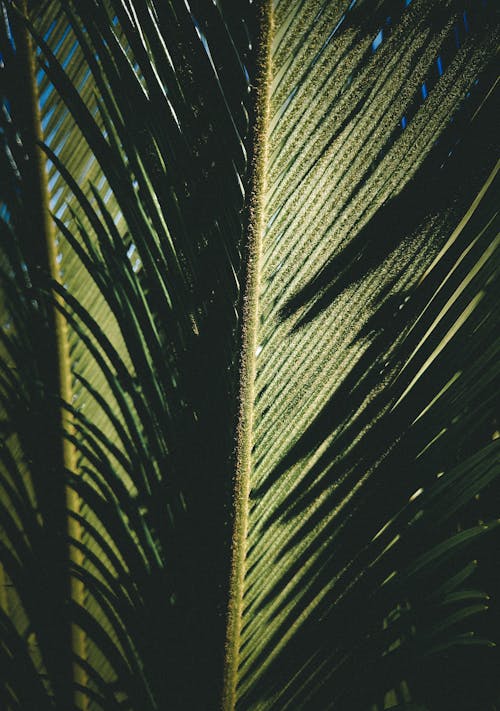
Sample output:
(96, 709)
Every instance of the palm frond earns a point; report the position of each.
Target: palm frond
(143, 132)
(289, 292)
(379, 268)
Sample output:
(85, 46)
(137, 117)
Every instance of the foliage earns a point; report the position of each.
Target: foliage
(369, 532)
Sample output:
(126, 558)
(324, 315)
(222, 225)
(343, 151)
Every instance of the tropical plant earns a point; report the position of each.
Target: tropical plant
(248, 364)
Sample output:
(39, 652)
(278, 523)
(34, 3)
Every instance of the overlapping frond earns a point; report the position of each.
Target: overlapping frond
(365, 524)
(145, 111)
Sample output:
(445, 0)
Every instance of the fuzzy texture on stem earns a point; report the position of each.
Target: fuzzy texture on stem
(244, 434)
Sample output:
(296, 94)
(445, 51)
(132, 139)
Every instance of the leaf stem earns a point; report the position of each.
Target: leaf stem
(250, 320)
(45, 261)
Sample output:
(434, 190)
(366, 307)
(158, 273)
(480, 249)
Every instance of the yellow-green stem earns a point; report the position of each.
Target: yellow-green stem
(26, 55)
(248, 361)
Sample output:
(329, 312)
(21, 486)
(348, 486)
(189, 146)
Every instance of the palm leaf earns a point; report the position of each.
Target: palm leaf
(121, 324)
(345, 394)
(357, 354)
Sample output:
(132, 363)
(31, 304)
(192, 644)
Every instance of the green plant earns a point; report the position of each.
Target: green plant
(249, 453)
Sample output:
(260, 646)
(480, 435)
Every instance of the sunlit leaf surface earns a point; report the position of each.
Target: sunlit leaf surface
(368, 535)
